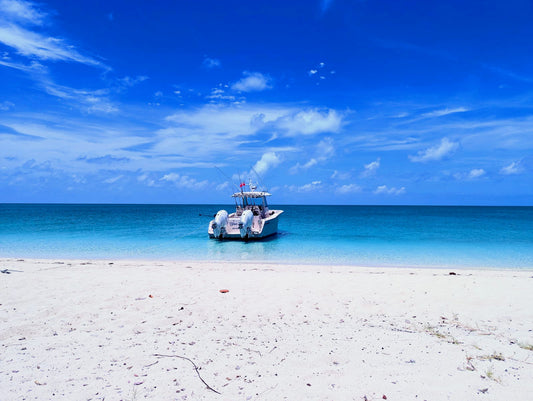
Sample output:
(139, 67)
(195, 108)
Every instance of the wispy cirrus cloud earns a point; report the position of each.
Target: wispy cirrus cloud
(32, 67)
(437, 152)
(36, 46)
(444, 112)
(112, 180)
(383, 133)
(21, 11)
(89, 100)
(508, 74)
(21, 29)
(513, 168)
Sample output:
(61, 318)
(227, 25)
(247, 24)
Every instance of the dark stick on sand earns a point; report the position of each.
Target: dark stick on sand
(195, 368)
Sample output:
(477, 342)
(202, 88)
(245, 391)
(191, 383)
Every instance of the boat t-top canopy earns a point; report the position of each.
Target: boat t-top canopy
(250, 194)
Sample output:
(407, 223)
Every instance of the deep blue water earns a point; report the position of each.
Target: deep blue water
(357, 235)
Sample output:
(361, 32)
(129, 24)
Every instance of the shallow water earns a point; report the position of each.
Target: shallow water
(357, 235)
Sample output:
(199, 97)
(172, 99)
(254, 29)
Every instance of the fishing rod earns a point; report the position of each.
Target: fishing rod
(228, 178)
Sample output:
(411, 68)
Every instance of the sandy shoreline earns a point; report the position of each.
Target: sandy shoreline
(98, 330)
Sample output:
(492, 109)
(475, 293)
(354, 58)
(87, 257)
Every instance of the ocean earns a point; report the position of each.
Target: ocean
(410, 236)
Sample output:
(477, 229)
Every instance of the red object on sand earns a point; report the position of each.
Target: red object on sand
(224, 291)
(151, 296)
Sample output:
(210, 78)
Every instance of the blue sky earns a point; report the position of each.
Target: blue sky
(330, 102)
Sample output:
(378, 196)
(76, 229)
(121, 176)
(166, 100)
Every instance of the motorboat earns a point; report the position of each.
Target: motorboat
(252, 219)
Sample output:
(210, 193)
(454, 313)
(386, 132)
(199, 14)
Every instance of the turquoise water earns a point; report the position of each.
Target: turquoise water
(356, 235)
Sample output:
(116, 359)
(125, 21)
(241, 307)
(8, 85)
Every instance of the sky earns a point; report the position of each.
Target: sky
(317, 101)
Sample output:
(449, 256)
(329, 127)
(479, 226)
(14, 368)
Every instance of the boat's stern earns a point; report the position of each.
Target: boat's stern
(246, 226)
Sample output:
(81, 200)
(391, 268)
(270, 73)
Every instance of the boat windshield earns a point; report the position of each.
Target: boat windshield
(258, 205)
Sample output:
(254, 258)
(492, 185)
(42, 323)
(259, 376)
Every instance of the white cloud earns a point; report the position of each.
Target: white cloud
(34, 45)
(297, 167)
(228, 122)
(348, 189)
(313, 186)
(70, 142)
(224, 129)
(383, 189)
(219, 94)
(32, 67)
(15, 16)
(371, 168)
(183, 181)
(128, 81)
(112, 180)
(508, 74)
(513, 168)
(471, 175)
(211, 62)
(146, 179)
(252, 82)
(312, 72)
(5, 105)
(444, 112)
(190, 138)
(222, 187)
(310, 122)
(268, 160)
(21, 11)
(325, 150)
(90, 101)
(475, 173)
(436, 152)
(340, 175)
(402, 114)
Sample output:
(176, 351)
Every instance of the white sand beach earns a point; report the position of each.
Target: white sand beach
(135, 330)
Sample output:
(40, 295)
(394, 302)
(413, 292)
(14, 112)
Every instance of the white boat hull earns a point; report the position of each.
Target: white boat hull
(260, 228)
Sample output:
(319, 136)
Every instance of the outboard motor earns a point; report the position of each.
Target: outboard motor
(245, 225)
(220, 223)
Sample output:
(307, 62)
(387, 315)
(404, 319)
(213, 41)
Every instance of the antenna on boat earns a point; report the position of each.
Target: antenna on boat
(260, 179)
